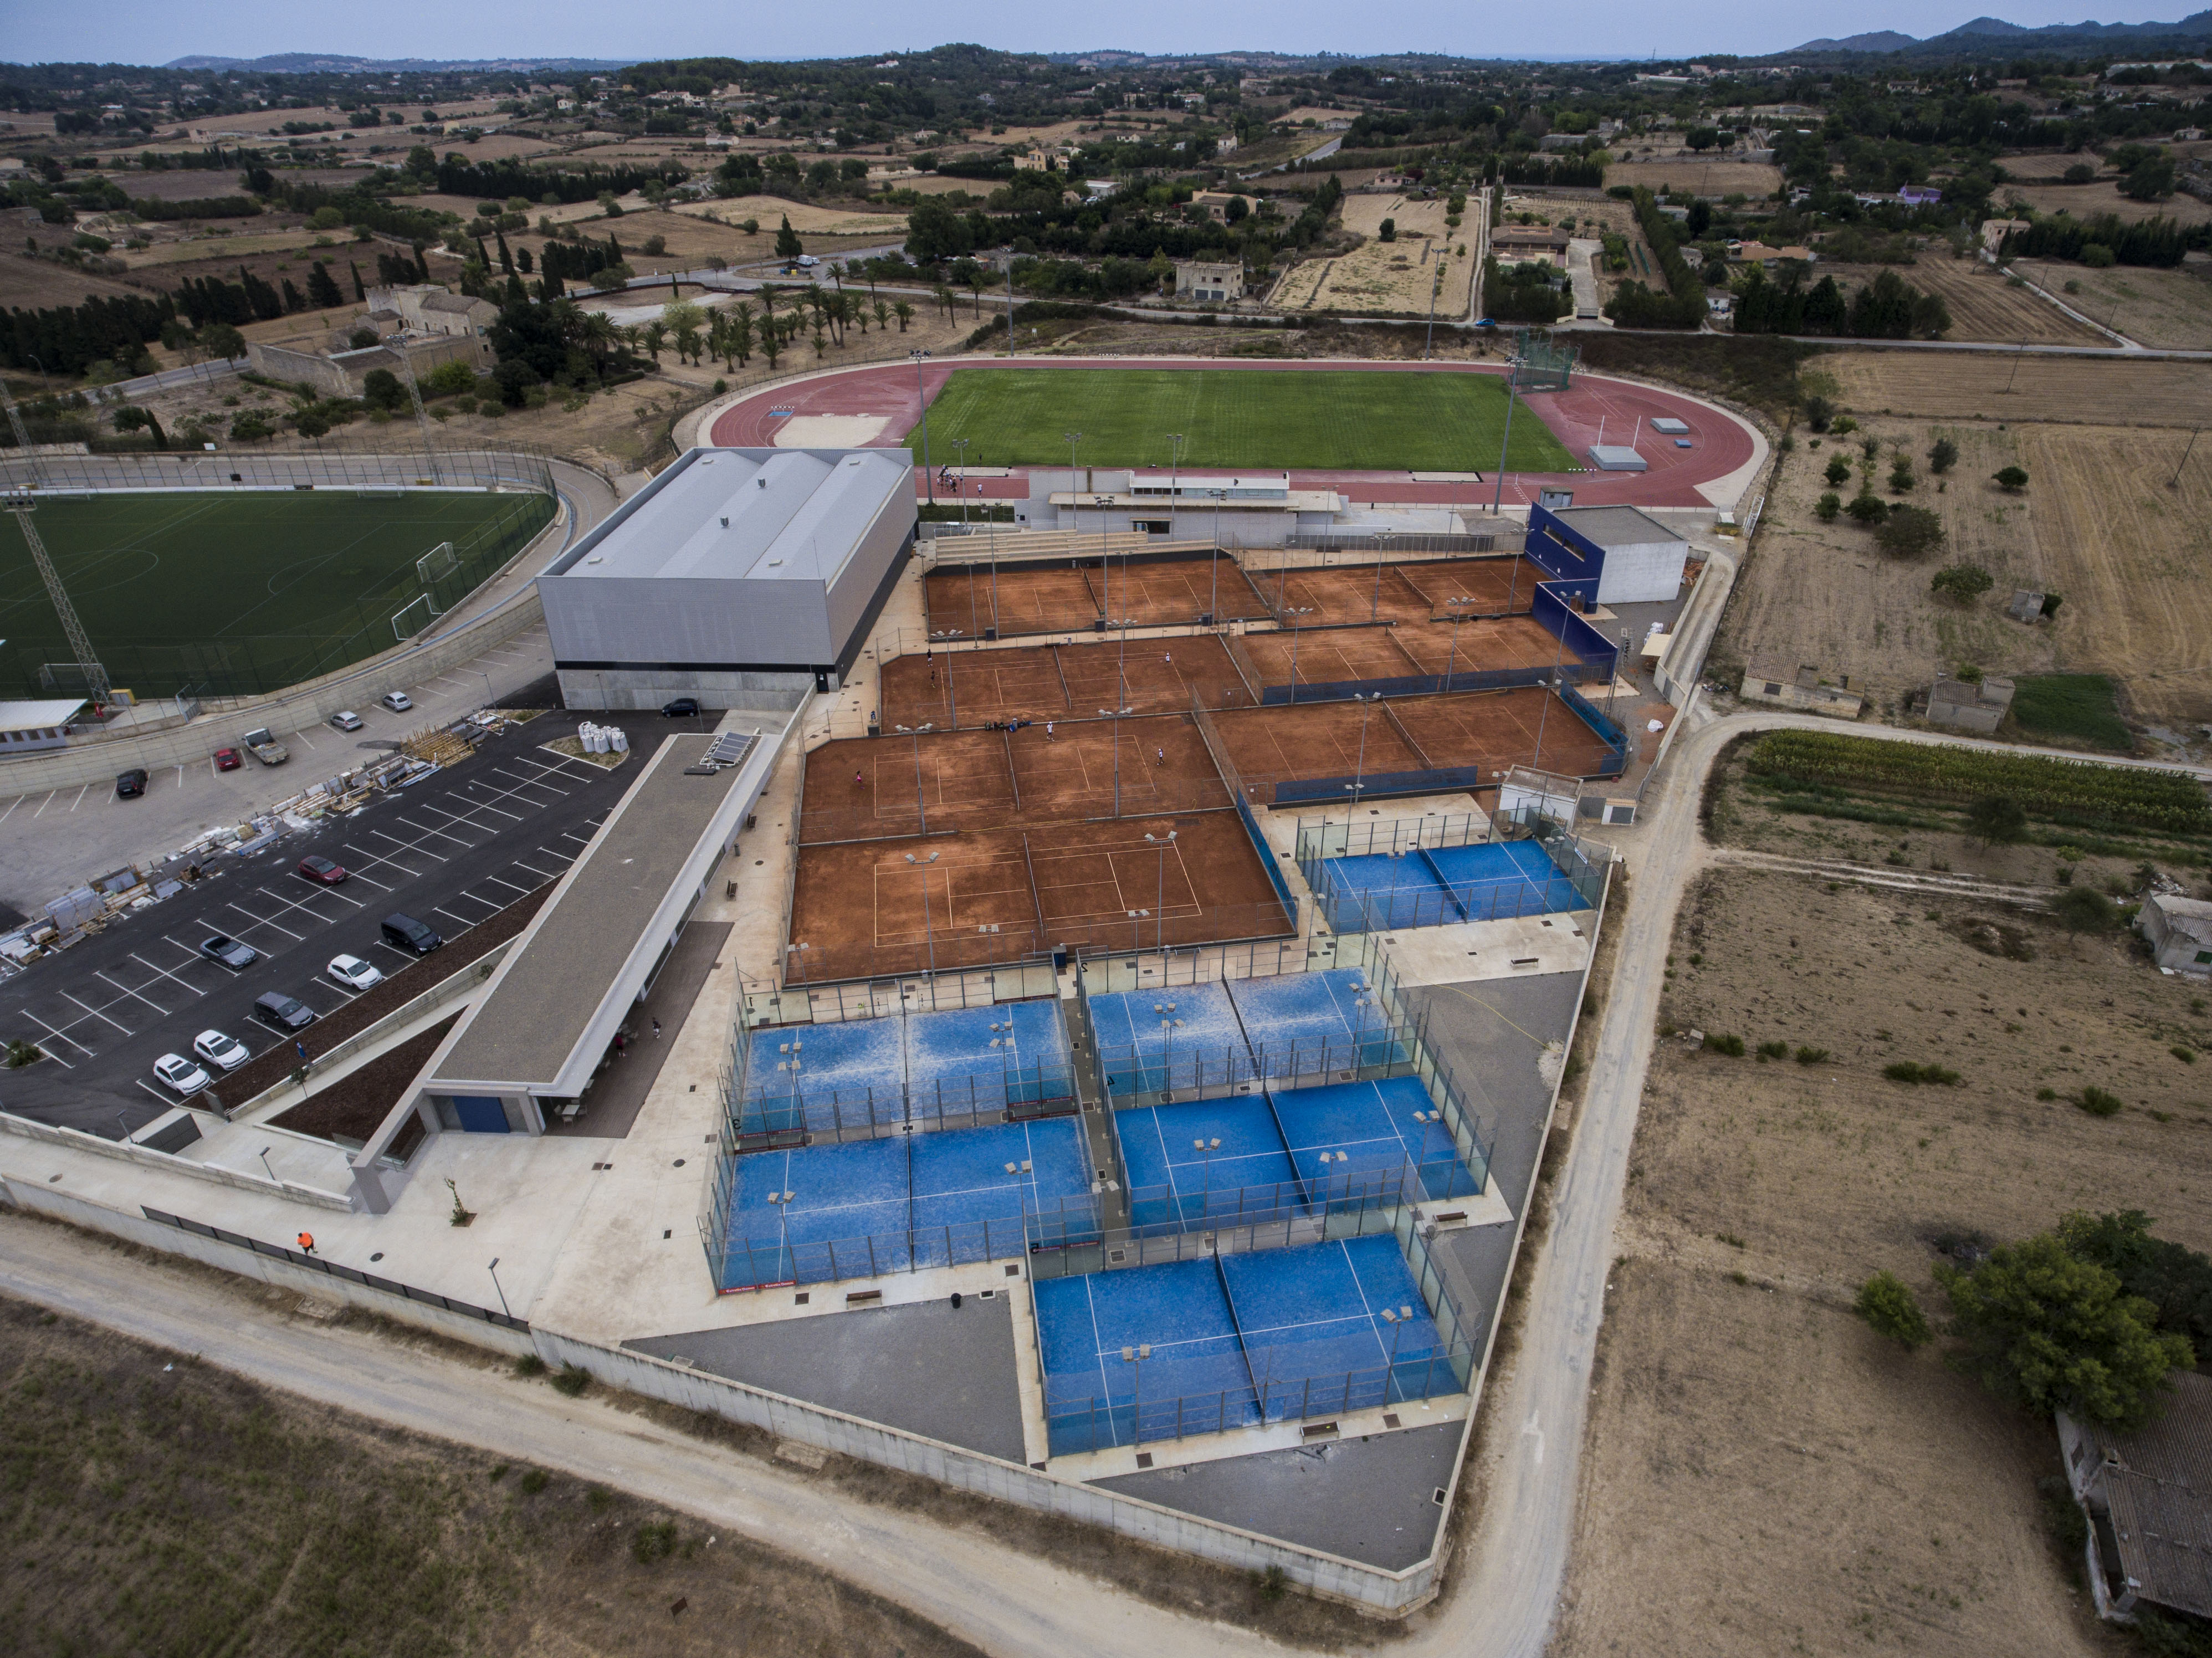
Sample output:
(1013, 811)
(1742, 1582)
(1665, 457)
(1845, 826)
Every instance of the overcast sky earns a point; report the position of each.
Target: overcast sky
(157, 31)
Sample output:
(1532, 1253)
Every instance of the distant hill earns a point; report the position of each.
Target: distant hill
(1985, 31)
(312, 63)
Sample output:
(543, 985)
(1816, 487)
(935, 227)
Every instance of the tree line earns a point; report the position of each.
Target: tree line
(2156, 241)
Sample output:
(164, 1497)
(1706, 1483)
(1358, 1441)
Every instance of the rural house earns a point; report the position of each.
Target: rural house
(2148, 1496)
(2178, 930)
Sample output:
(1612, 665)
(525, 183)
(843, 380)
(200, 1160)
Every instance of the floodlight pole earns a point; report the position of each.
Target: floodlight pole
(1360, 768)
(960, 444)
(991, 522)
(1160, 897)
(928, 478)
(1072, 439)
(1498, 495)
(920, 801)
(928, 926)
(496, 1284)
(21, 503)
(422, 419)
(1174, 467)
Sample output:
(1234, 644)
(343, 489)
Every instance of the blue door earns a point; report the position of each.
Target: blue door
(480, 1114)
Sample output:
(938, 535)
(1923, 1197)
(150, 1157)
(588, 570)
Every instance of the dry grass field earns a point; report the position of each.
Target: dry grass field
(1950, 386)
(1752, 178)
(1392, 275)
(2094, 200)
(2167, 310)
(1982, 304)
(2096, 524)
(1764, 1475)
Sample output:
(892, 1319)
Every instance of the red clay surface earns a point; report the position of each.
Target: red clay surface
(964, 600)
(1575, 416)
(1492, 730)
(1061, 682)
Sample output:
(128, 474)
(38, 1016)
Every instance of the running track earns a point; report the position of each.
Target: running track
(1722, 442)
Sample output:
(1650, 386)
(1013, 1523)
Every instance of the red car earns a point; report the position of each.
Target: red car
(226, 759)
(322, 870)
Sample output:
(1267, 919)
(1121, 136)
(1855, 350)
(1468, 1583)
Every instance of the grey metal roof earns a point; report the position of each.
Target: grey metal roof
(748, 514)
(2159, 1481)
(1616, 526)
(525, 1032)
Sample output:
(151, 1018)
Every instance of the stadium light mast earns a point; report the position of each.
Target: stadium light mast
(22, 437)
(422, 419)
(20, 504)
(1512, 372)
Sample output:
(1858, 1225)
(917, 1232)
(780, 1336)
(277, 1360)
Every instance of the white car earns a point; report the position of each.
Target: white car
(346, 720)
(225, 1053)
(398, 702)
(180, 1073)
(354, 973)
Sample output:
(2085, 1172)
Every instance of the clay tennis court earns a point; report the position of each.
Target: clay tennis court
(1488, 730)
(1057, 682)
(964, 601)
(985, 897)
(1418, 591)
(974, 780)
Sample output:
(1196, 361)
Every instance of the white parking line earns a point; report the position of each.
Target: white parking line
(304, 737)
(509, 885)
(363, 856)
(44, 804)
(489, 904)
(474, 806)
(97, 1014)
(465, 921)
(254, 921)
(127, 991)
(443, 834)
(539, 873)
(57, 1035)
(81, 794)
(165, 973)
(181, 776)
(156, 1092)
(410, 845)
(319, 892)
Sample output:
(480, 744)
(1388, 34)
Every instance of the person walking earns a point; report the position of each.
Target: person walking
(860, 779)
(1159, 757)
(1047, 731)
(306, 1244)
(656, 1030)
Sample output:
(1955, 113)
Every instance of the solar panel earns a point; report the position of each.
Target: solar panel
(730, 748)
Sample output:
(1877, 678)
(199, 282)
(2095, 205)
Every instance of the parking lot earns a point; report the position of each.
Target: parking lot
(453, 852)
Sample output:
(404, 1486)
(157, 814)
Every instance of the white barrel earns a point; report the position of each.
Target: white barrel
(595, 740)
(618, 739)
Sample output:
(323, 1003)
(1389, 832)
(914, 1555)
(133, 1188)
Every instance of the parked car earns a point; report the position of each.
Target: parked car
(222, 947)
(131, 784)
(227, 760)
(261, 743)
(318, 868)
(180, 1073)
(681, 707)
(224, 1052)
(398, 702)
(354, 973)
(406, 932)
(282, 1012)
(346, 720)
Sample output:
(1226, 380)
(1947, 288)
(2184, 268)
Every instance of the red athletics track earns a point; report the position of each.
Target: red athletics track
(1722, 443)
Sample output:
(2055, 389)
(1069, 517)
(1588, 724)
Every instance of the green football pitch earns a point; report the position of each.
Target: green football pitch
(234, 593)
(1351, 419)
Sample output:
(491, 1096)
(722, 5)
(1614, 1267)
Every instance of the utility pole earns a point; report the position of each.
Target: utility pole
(1498, 495)
(929, 478)
(1175, 466)
(422, 419)
(21, 503)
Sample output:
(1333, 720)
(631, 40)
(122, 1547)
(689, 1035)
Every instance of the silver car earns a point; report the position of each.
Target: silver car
(346, 720)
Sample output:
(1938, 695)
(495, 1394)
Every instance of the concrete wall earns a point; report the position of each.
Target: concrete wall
(77, 1140)
(1643, 573)
(643, 689)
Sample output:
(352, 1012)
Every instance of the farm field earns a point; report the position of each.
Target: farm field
(1392, 275)
(1257, 418)
(1946, 385)
(2167, 310)
(2094, 200)
(1763, 1474)
(228, 592)
(1752, 178)
(2096, 524)
(1983, 305)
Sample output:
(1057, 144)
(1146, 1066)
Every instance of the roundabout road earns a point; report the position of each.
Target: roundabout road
(1725, 451)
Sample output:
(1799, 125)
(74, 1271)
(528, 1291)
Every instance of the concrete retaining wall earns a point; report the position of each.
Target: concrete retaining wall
(1327, 1576)
(245, 1263)
(77, 1140)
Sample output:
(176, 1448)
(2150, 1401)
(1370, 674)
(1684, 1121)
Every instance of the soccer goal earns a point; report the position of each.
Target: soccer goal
(411, 620)
(437, 564)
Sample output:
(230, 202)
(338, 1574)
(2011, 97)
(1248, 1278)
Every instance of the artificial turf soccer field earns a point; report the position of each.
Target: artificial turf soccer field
(241, 591)
(1351, 419)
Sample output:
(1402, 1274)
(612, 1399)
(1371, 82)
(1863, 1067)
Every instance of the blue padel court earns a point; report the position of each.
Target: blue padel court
(1215, 1036)
(860, 1208)
(868, 1072)
(1256, 1157)
(1236, 1340)
(1484, 882)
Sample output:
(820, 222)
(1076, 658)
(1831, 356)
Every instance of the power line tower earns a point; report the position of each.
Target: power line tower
(21, 503)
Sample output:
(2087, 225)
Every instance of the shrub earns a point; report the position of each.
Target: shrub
(2047, 1093)
(1774, 1050)
(1909, 532)
(2097, 256)
(1389, 230)
(530, 1364)
(2186, 1055)
(1838, 471)
(380, 389)
(1828, 507)
(1867, 507)
(1942, 456)
(449, 380)
(1886, 1304)
(572, 1380)
(1906, 1072)
(599, 1499)
(2095, 1101)
(1819, 412)
(2084, 909)
(1900, 476)
(2014, 478)
(1811, 1055)
(1962, 581)
(1731, 1046)
(534, 1481)
(652, 1541)
(1995, 817)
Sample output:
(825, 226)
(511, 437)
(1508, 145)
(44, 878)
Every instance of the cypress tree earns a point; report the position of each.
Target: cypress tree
(323, 293)
(293, 300)
(360, 292)
(482, 257)
(506, 259)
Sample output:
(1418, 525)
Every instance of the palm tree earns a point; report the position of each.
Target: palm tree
(975, 287)
(655, 335)
(944, 297)
(883, 315)
(904, 313)
(739, 336)
(771, 346)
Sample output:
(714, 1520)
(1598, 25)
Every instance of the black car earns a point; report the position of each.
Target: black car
(680, 708)
(282, 1012)
(221, 947)
(132, 783)
(406, 932)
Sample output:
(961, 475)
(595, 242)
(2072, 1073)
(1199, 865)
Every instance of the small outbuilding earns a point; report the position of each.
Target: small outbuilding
(2178, 930)
(1799, 686)
(1209, 283)
(25, 726)
(1969, 705)
(2149, 1498)
(1636, 559)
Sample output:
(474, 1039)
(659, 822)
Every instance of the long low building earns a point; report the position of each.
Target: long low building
(540, 1033)
(745, 578)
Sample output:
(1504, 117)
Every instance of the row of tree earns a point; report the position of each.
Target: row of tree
(2156, 241)
(1886, 308)
(69, 339)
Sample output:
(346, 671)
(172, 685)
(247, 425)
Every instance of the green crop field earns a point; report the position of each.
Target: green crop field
(1354, 419)
(235, 593)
